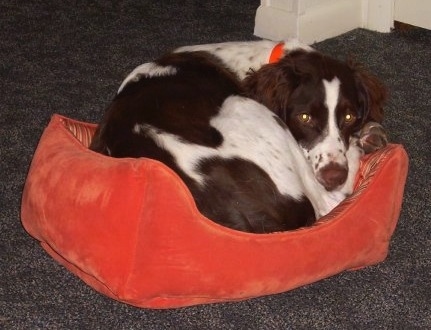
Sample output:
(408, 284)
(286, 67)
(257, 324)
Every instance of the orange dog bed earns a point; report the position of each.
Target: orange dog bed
(130, 229)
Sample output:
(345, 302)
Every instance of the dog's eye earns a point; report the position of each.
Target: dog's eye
(304, 117)
(349, 118)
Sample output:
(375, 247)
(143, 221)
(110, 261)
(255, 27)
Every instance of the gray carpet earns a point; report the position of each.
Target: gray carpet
(69, 57)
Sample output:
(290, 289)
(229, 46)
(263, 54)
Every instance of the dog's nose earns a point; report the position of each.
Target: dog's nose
(332, 175)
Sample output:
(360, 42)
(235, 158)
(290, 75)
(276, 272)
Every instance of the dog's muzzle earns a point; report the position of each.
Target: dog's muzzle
(332, 175)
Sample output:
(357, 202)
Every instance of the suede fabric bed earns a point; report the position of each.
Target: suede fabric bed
(130, 229)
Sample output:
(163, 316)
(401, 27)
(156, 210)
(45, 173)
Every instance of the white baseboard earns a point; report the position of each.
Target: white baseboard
(275, 23)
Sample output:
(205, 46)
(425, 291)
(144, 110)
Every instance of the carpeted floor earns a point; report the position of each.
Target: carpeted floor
(69, 57)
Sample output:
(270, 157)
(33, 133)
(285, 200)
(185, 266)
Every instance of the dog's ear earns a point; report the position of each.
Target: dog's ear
(272, 85)
(374, 93)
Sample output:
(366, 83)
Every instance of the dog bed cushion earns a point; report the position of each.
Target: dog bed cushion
(130, 229)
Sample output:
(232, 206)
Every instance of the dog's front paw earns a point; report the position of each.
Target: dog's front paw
(372, 137)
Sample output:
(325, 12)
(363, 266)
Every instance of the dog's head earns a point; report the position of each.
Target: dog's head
(324, 102)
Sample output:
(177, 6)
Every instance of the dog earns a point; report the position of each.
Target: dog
(262, 147)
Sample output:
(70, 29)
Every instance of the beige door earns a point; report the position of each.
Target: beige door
(414, 12)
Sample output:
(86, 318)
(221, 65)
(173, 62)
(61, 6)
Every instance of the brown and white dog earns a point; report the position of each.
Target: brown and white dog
(262, 147)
